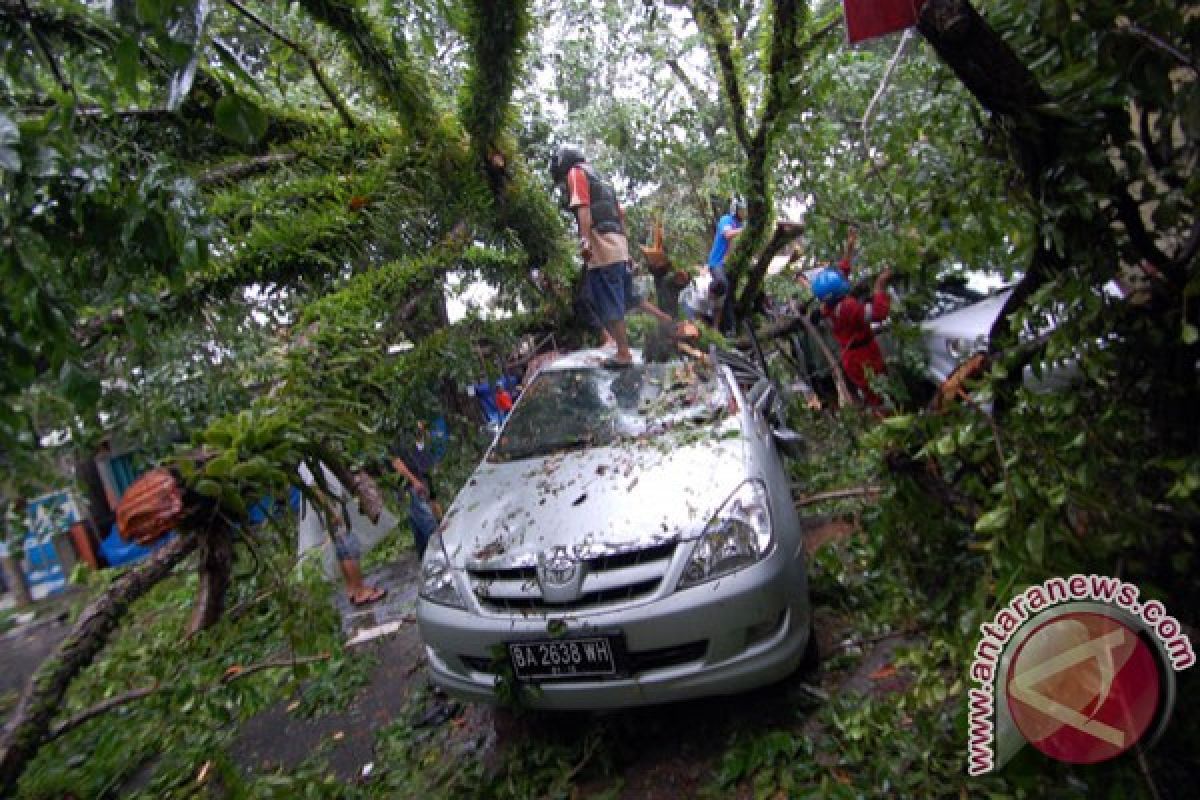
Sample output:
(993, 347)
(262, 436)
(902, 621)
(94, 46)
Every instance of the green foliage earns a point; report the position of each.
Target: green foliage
(169, 735)
(496, 35)
(75, 232)
(397, 79)
(240, 120)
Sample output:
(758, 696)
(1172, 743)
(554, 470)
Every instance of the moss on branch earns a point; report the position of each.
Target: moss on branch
(399, 80)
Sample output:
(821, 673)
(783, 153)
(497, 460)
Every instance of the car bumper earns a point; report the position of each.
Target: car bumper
(722, 637)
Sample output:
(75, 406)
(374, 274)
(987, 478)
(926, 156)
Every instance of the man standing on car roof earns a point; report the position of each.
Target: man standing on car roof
(603, 245)
(851, 320)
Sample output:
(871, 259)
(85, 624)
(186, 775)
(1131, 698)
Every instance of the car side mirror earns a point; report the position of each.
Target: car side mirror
(790, 443)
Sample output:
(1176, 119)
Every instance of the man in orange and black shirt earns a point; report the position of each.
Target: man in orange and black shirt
(608, 282)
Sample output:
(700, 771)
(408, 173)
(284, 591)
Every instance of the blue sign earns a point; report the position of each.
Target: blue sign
(45, 517)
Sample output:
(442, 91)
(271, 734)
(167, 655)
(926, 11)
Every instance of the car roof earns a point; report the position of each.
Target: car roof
(583, 359)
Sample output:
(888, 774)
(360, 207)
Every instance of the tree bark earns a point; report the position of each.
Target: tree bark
(215, 567)
(845, 398)
(983, 61)
(244, 169)
(14, 578)
(42, 699)
(781, 238)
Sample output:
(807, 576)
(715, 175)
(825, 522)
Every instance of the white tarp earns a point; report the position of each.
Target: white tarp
(312, 533)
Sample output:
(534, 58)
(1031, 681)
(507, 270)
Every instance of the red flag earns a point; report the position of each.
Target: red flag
(866, 19)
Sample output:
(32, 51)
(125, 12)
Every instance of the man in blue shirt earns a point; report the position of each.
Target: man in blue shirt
(728, 228)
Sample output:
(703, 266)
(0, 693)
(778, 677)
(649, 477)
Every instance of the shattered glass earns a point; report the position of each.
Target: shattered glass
(595, 407)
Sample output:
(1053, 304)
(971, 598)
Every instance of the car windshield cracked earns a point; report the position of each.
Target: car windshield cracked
(572, 409)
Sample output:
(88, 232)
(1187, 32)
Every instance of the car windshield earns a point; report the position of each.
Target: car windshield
(592, 407)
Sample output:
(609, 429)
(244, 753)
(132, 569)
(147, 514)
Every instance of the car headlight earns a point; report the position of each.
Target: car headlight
(437, 578)
(737, 536)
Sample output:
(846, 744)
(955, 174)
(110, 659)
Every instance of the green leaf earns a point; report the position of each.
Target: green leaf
(1189, 334)
(240, 120)
(150, 11)
(233, 501)
(208, 487)
(1035, 543)
(992, 521)
(127, 64)
(222, 466)
(81, 387)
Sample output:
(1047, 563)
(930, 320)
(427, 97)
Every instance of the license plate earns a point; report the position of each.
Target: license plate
(558, 658)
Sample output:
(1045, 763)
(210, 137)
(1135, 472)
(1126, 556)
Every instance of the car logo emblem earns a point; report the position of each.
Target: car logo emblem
(560, 576)
(559, 569)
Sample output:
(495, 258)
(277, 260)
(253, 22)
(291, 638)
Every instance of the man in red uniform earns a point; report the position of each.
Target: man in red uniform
(851, 321)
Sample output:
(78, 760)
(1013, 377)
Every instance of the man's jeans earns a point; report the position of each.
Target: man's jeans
(423, 522)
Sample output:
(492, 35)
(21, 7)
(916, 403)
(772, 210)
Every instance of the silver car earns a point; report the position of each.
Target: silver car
(630, 538)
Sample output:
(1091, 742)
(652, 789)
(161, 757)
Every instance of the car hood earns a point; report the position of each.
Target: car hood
(592, 502)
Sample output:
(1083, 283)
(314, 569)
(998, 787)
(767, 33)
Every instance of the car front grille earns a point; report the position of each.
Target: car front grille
(608, 580)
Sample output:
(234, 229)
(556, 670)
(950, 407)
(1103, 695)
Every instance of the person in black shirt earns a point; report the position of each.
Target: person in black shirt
(414, 461)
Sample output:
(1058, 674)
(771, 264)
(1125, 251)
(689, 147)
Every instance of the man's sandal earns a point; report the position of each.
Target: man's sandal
(374, 595)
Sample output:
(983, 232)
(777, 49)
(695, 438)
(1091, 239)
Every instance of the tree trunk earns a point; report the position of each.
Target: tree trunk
(983, 61)
(780, 238)
(43, 697)
(14, 578)
(215, 567)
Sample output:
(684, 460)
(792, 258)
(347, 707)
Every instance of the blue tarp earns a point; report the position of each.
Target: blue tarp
(117, 551)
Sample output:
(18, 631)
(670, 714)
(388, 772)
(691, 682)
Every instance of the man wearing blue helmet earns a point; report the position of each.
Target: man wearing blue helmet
(851, 321)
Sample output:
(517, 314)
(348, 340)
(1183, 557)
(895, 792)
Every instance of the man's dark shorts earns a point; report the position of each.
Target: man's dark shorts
(611, 291)
(346, 545)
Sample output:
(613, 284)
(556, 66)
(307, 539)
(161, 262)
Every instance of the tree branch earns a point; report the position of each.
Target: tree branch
(1131, 217)
(397, 79)
(243, 169)
(845, 398)
(781, 238)
(1158, 43)
(787, 17)
(982, 60)
(102, 708)
(710, 23)
(41, 44)
(290, 662)
(313, 67)
(133, 695)
(699, 99)
(839, 494)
